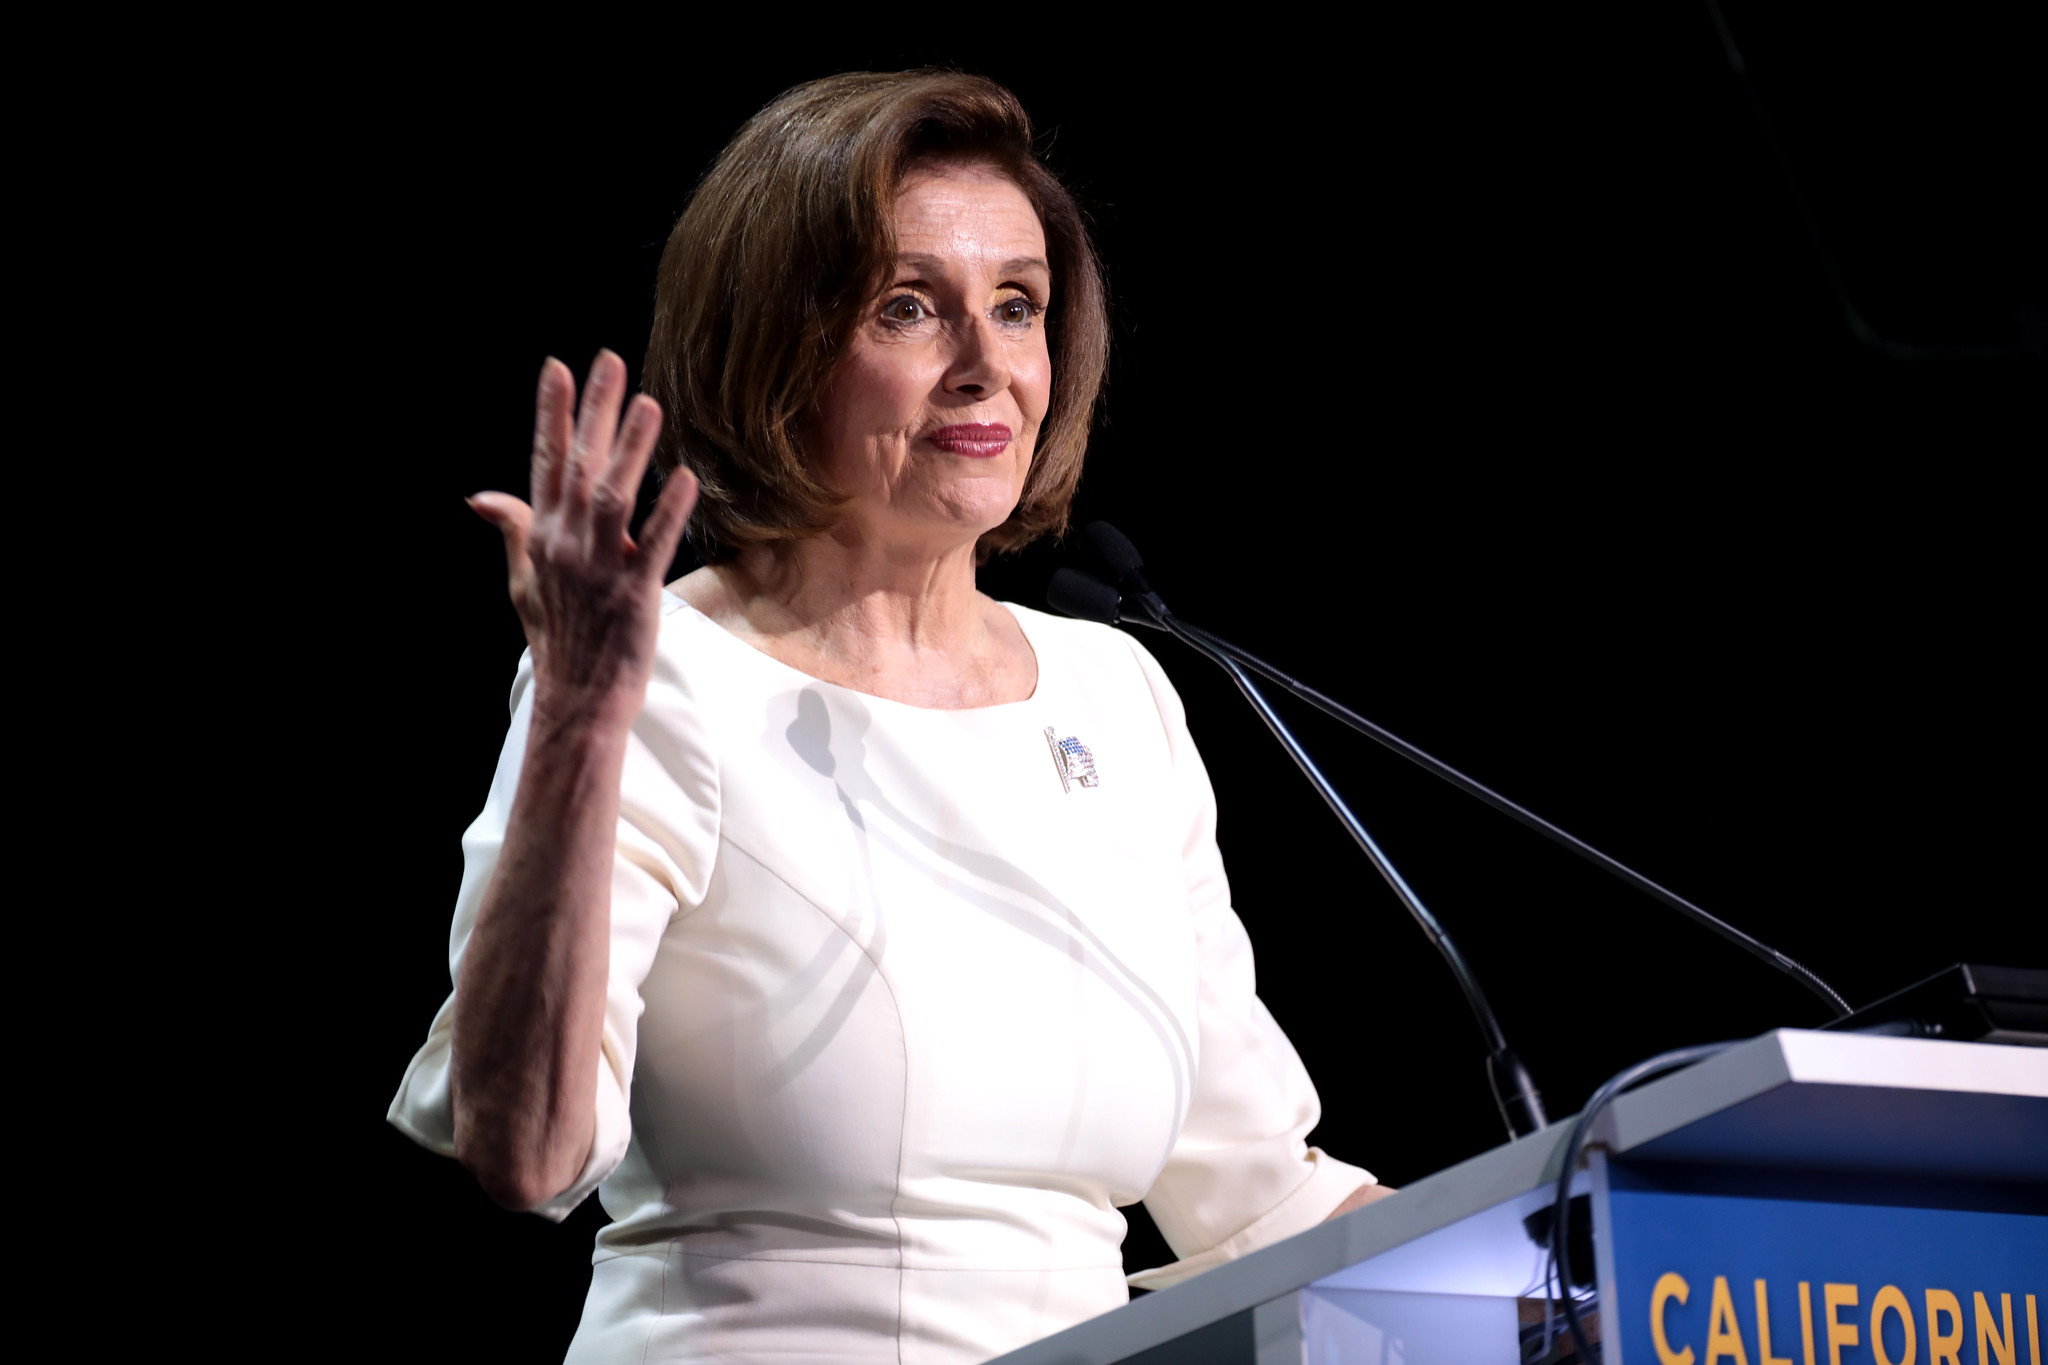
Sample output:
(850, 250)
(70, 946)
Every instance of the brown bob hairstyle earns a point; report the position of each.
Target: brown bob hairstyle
(782, 250)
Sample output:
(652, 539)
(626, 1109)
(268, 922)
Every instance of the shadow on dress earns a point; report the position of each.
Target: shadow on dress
(832, 745)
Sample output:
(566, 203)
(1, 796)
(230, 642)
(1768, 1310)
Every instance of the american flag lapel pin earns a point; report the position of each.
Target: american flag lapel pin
(1073, 761)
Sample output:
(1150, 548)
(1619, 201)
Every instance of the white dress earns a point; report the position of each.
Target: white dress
(904, 1003)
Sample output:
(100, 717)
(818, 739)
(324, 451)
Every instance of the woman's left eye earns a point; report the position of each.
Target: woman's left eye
(1017, 310)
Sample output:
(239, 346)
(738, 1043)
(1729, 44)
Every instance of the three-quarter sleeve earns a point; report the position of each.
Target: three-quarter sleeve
(667, 838)
(1242, 1175)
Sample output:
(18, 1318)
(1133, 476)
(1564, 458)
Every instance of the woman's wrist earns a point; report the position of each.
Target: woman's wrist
(569, 713)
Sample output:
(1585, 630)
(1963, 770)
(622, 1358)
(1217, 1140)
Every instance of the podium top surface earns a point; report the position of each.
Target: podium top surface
(1845, 1102)
(1790, 1100)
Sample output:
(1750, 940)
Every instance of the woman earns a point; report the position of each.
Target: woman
(862, 940)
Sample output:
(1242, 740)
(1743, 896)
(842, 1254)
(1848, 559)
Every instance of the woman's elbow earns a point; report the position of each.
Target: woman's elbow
(512, 1174)
(523, 1153)
(509, 1182)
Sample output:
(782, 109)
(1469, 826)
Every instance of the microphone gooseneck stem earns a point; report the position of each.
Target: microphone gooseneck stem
(1520, 1107)
(1214, 647)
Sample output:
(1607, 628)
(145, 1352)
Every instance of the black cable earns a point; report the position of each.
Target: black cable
(1521, 1108)
(1561, 1209)
(1467, 982)
(1438, 768)
(1095, 599)
(1851, 315)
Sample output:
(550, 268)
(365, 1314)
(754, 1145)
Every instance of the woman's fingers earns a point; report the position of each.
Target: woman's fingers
(553, 402)
(597, 422)
(662, 532)
(621, 484)
(587, 595)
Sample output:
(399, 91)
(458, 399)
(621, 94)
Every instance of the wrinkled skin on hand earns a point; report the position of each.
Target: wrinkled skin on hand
(587, 594)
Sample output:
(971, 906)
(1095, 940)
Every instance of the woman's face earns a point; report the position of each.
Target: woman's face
(930, 419)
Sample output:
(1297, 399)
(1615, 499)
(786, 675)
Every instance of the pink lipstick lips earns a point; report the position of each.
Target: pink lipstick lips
(980, 440)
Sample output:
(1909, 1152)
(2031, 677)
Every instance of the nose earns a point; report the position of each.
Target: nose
(980, 364)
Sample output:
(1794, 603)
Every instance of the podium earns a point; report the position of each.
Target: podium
(1805, 1198)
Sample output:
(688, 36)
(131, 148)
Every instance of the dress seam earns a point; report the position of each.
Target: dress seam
(668, 1180)
(902, 1125)
(903, 1041)
(661, 1313)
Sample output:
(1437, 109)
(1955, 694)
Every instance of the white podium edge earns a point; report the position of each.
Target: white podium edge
(1753, 1068)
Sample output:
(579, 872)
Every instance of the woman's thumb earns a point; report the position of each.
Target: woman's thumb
(513, 519)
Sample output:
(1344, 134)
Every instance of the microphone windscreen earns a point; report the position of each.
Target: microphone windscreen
(1115, 552)
(1082, 595)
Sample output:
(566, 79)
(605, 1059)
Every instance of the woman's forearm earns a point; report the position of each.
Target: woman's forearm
(529, 1004)
(529, 1007)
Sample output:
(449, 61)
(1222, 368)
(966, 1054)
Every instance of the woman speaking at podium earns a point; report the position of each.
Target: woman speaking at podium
(862, 941)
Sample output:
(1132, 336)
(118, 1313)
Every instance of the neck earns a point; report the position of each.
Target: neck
(873, 616)
(853, 595)
(907, 627)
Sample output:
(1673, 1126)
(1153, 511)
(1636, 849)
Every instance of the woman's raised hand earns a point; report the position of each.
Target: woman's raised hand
(587, 594)
(530, 997)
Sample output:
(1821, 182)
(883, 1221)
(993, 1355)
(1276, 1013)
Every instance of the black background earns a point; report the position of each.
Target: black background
(1479, 368)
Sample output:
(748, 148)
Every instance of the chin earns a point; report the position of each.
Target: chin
(950, 532)
(974, 516)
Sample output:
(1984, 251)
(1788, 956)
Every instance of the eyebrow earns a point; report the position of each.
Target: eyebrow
(936, 265)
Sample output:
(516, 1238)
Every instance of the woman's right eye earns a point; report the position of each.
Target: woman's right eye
(904, 308)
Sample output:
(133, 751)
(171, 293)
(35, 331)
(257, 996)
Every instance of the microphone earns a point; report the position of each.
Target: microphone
(1132, 599)
(1120, 557)
(1085, 596)
(1088, 598)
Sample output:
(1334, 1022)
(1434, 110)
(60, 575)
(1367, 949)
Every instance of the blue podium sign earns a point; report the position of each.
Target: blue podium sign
(1726, 1268)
